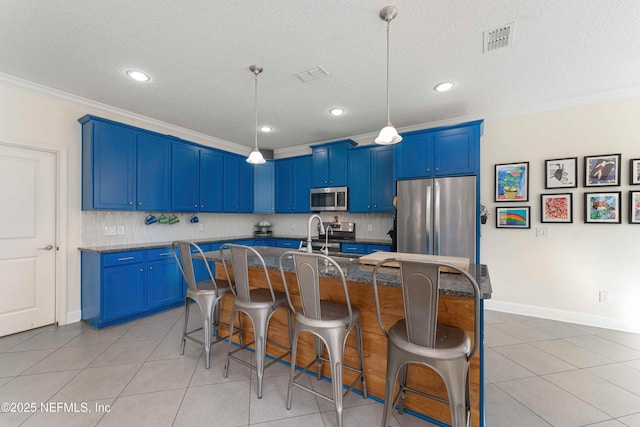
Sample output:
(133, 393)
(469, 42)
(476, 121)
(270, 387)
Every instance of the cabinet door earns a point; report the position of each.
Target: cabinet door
(245, 186)
(455, 151)
(231, 182)
(185, 177)
(264, 188)
(164, 284)
(283, 186)
(338, 165)
(153, 173)
(383, 185)
(211, 180)
(301, 184)
(320, 167)
(414, 156)
(360, 180)
(123, 291)
(114, 166)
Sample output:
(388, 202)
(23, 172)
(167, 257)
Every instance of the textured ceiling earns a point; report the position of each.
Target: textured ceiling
(198, 53)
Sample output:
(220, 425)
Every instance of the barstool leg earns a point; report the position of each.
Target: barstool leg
(187, 304)
(260, 319)
(456, 380)
(361, 354)
(390, 385)
(335, 348)
(207, 314)
(226, 361)
(294, 348)
(403, 384)
(319, 351)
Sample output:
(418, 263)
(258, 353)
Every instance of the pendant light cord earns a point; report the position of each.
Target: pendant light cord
(388, 115)
(256, 109)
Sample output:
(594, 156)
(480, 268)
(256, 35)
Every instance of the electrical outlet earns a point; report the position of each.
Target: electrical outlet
(605, 297)
(201, 227)
(369, 227)
(542, 232)
(110, 230)
(120, 230)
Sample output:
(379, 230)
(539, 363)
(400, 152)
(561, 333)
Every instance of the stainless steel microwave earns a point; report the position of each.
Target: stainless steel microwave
(329, 199)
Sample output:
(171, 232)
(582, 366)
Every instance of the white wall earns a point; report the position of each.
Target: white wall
(560, 277)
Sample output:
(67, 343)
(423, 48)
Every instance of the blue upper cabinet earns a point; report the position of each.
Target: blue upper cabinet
(238, 184)
(329, 164)
(371, 180)
(445, 151)
(292, 185)
(211, 180)
(264, 187)
(185, 177)
(153, 173)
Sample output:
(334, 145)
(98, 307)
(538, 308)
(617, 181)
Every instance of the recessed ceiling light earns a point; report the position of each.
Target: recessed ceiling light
(138, 76)
(336, 111)
(443, 86)
(266, 128)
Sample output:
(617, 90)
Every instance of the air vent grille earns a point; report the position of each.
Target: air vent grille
(312, 74)
(499, 38)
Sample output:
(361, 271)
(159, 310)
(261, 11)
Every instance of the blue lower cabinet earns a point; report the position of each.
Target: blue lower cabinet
(265, 242)
(120, 286)
(363, 249)
(288, 243)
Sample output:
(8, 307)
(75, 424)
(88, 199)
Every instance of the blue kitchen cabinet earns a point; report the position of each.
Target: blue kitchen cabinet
(164, 280)
(447, 151)
(185, 177)
(265, 242)
(238, 184)
(362, 248)
(293, 184)
(211, 182)
(329, 164)
(371, 181)
(108, 165)
(288, 243)
(264, 188)
(153, 173)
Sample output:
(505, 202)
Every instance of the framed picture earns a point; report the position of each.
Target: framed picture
(513, 217)
(602, 208)
(602, 170)
(512, 182)
(634, 207)
(561, 173)
(556, 207)
(634, 171)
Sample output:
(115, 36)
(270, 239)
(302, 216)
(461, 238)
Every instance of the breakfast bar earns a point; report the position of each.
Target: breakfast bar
(455, 308)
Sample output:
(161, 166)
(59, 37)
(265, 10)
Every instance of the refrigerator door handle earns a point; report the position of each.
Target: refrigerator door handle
(436, 220)
(428, 219)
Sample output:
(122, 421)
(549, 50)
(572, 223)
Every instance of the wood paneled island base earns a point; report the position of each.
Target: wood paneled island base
(453, 310)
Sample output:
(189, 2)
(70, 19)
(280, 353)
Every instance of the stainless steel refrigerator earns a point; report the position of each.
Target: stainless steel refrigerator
(437, 216)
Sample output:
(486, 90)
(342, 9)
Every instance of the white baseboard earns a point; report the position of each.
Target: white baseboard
(563, 316)
(74, 316)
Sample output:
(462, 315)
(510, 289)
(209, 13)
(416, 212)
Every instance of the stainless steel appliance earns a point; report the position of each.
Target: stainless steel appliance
(329, 199)
(437, 216)
(335, 233)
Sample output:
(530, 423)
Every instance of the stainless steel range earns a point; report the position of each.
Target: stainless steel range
(335, 233)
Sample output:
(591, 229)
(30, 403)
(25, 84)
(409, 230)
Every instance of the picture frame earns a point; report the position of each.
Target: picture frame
(561, 173)
(634, 172)
(634, 207)
(602, 208)
(602, 170)
(513, 217)
(556, 207)
(512, 182)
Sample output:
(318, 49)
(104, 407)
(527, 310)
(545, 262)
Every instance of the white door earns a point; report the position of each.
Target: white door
(27, 239)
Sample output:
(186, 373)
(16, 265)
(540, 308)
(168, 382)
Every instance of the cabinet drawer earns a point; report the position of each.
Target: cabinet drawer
(354, 248)
(294, 244)
(378, 248)
(159, 254)
(121, 258)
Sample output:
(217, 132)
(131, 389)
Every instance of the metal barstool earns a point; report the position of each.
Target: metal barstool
(206, 294)
(419, 338)
(330, 321)
(258, 304)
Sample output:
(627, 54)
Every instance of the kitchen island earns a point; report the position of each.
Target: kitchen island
(455, 308)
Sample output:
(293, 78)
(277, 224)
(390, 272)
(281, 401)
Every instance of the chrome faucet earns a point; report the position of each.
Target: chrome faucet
(320, 228)
(325, 249)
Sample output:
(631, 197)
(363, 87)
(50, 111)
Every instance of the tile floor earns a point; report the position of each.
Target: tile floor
(538, 373)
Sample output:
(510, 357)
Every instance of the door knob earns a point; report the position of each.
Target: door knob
(46, 248)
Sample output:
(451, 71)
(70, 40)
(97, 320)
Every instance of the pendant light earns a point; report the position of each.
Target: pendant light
(388, 135)
(256, 157)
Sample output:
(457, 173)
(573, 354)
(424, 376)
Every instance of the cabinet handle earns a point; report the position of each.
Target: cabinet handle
(131, 203)
(375, 206)
(150, 268)
(139, 203)
(165, 254)
(125, 258)
(428, 169)
(141, 270)
(437, 169)
(202, 206)
(368, 206)
(195, 206)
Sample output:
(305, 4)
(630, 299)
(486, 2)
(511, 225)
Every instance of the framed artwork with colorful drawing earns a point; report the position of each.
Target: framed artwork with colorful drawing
(634, 207)
(513, 217)
(602, 208)
(556, 207)
(512, 182)
(561, 173)
(634, 171)
(602, 170)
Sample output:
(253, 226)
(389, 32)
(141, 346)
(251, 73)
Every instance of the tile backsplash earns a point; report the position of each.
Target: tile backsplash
(212, 225)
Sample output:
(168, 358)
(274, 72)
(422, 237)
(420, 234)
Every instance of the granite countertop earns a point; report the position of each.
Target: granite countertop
(451, 284)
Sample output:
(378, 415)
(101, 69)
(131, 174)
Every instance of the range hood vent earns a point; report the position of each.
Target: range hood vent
(499, 38)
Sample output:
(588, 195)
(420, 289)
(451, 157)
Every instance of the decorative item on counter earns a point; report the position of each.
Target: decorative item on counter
(263, 229)
(194, 219)
(484, 214)
(174, 219)
(162, 219)
(150, 219)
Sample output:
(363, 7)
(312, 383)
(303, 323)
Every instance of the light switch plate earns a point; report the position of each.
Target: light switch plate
(110, 230)
(120, 230)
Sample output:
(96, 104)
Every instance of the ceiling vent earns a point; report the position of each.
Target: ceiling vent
(499, 38)
(312, 74)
